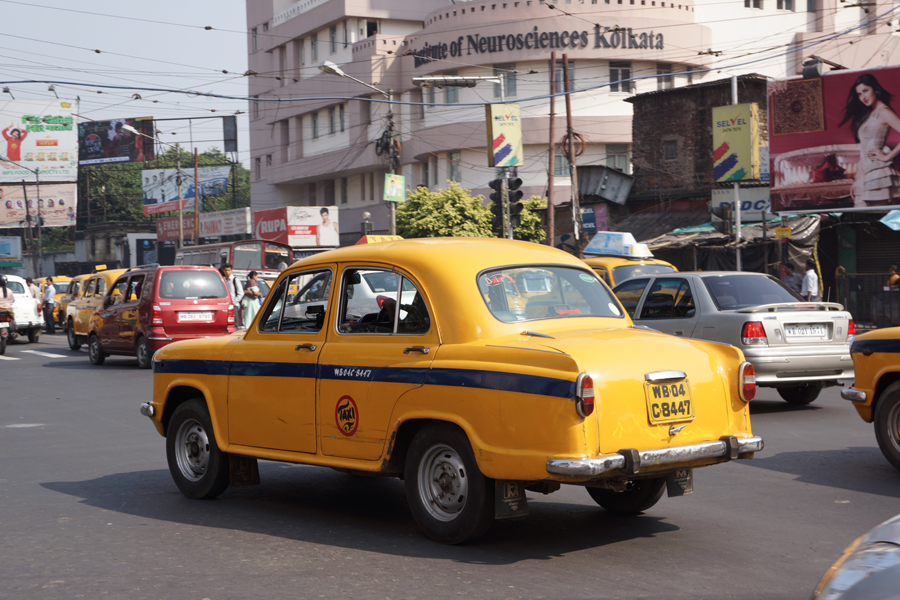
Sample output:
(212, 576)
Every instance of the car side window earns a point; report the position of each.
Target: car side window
(669, 298)
(99, 287)
(300, 314)
(604, 275)
(413, 318)
(118, 291)
(629, 294)
(135, 286)
(89, 287)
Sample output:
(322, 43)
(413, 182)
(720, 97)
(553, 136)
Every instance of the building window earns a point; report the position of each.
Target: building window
(617, 157)
(426, 176)
(664, 80)
(331, 124)
(362, 187)
(329, 192)
(266, 26)
(343, 190)
(508, 72)
(311, 194)
(454, 158)
(365, 112)
(431, 94)
(341, 115)
(268, 160)
(372, 186)
(811, 6)
(753, 3)
(785, 5)
(315, 125)
(560, 163)
(417, 110)
(255, 107)
(314, 46)
(300, 57)
(346, 35)
(451, 94)
(254, 39)
(371, 28)
(620, 77)
(561, 76)
(670, 149)
(258, 167)
(334, 39)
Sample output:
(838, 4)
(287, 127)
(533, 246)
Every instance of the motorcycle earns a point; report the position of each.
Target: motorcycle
(6, 317)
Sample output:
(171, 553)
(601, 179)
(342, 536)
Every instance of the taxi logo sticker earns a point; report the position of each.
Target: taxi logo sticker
(346, 415)
(586, 277)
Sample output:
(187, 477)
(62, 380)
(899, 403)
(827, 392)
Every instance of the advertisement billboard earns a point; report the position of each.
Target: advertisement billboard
(10, 252)
(160, 187)
(504, 135)
(394, 188)
(299, 226)
(38, 135)
(834, 142)
(754, 202)
(736, 142)
(57, 204)
(102, 142)
(214, 224)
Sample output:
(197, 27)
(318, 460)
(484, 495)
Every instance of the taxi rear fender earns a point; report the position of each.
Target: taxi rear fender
(180, 391)
(886, 380)
(728, 359)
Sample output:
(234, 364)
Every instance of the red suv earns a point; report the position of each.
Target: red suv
(151, 306)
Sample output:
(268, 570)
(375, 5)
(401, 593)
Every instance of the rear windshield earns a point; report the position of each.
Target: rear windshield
(624, 272)
(188, 285)
(732, 292)
(381, 281)
(532, 293)
(15, 287)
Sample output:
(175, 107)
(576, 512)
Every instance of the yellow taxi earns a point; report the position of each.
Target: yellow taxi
(875, 392)
(72, 291)
(60, 282)
(82, 306)
(415, 366)
(616, 256)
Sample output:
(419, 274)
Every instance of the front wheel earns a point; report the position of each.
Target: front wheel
(450, 500)
(800, 394)
(144, 353)
(199, 468)
(74, 342)
(641, 495)
(95, 351)
(34, 335)
(887, 425)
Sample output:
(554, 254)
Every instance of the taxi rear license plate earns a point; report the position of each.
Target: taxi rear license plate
(195, 316)
(670, 401)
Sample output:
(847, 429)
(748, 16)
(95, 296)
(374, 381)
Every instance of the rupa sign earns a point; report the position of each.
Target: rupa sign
(299, 226)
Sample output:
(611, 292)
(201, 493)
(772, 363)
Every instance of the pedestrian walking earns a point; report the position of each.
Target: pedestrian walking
(34, 290)
(791, 279)
(49, 302)
(810, 289)
(235, 290)
(251, 298)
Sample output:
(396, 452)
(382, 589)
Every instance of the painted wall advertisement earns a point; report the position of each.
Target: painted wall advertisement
(834, 142)
(214, 224)
(38, 135)
(299, 226)
(160, 187)
(57, 204)
(10, 252)
(735, 142)
(101, 142)
(504, 135)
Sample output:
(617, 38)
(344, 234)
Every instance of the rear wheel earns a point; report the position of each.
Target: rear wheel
(887, 425)
(800, 394)
(641, 495)
(450, 500)
(144, 353)
(2, 345)
(34, 335)
(95, 351)
(74, 342)
(199, 468)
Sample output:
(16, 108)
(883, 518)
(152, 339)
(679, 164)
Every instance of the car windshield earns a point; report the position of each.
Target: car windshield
(732, 292)
(277, 258)
(186, 285)
(15, 287)
(624, 272)
(546, 293)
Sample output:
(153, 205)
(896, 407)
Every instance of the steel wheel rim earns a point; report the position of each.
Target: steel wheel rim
(893, 425)
(95, 349)
(443, 483)
(142, 352)
(71, 333)
(192, 450)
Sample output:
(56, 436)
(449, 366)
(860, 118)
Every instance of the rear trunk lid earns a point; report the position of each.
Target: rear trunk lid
(795, 325)
(193, 302)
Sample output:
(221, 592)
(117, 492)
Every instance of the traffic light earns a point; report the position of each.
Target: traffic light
(513, 196)
(497, 207)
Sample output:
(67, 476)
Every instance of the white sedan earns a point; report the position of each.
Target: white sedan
(29, 320)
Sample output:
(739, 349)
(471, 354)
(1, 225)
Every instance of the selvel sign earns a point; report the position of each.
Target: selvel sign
(619, 37)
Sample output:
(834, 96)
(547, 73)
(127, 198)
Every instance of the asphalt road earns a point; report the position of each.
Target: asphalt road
(88, 510)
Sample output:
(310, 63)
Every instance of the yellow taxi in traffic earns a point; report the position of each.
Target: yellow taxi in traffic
(60, 282)
(72, 291)
(415, 365)
(80, 308)
(875, 392)
(616, 256)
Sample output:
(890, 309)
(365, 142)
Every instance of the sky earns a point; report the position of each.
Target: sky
(158, 44)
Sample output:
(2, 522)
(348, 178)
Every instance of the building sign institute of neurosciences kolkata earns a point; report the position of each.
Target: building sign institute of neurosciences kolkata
(620, 37)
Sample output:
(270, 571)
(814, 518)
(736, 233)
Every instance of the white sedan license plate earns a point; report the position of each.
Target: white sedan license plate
(195, 316)
(668, 402)
(812, 330)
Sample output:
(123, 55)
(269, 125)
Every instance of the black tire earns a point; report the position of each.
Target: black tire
(887, 425)
(95, 350)
(468, 509)
(2, 345)
(144, 353)
(800, 394)
(34, 334)
(74, 342)
(199, 468)
(641, 495)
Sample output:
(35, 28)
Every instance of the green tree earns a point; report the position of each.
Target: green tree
(452, 212)
(530, 228)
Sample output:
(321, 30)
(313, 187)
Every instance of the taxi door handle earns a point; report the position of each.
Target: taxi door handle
(416, 349)
(309, 347)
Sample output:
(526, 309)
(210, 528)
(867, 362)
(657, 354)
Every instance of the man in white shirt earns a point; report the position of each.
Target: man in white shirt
(49, 301)
(235, 289)
(810, 289)
(33, 289)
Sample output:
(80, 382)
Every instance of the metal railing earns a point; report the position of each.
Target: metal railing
(867, 297)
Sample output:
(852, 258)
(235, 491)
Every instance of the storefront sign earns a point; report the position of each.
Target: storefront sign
(215, 224)
(299, 226)
(39, 135)
(754, 201)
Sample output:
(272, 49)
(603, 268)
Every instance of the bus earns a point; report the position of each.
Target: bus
(266, 258)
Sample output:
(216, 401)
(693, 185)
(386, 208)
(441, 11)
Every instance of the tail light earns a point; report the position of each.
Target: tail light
(851, 328)
(584, 395)
(156, 316)
(747, 382)
(380, 300)
(230, 320)
(753, 334)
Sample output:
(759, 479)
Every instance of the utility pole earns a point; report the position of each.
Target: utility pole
(573, 174)
(180, 202)
(393, 158)
(551, 207)
(29, 232)
(196, 198)
(737, 192)
(40, 222)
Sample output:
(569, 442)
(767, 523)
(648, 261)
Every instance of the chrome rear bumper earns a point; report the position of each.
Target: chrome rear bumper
(853, 395)
(631, 460)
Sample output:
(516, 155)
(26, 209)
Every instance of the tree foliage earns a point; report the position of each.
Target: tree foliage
(450, 212)
(530, 228)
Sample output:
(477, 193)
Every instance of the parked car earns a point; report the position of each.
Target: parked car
(467, 401)
(869, 569)
(28, 318)
(72, 291)
(795, 347)
(875, 392)
(80, 309)
(150, 306)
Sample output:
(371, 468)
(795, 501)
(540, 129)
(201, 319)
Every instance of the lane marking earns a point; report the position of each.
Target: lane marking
(47, 354)
(9, 358)
(23, 425)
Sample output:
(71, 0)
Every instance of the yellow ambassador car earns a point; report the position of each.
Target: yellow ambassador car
(83, 305)
(876, 387)
(441, 383)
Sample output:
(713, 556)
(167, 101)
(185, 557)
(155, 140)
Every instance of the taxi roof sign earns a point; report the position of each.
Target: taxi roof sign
(617, 243)
(374, 239)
